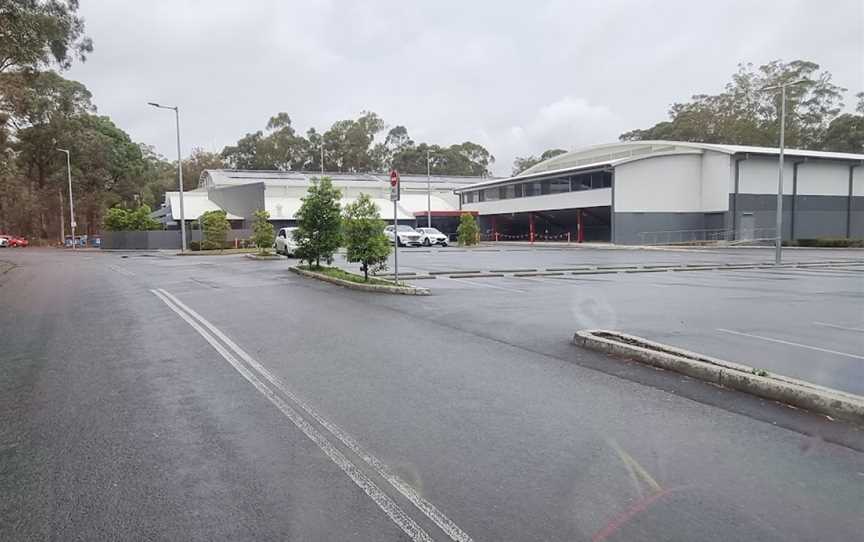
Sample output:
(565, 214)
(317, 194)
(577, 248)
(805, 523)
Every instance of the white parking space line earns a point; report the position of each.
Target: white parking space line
(485, 285)
(835, 326)
(790, 343)
(122, 271)
(255, 369)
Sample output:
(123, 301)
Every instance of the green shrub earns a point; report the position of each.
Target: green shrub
(120, 219)
(830, 242)
(194, 245)
(215, 226)
(319, 223)
(365, 241)
(262, 232)
(467, 233)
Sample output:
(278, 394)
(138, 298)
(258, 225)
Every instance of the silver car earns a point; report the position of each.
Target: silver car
(285, 243)
(404, 235)
(431, 236)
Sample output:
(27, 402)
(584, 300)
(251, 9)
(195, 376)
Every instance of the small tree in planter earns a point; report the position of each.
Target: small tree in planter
(262, 232)
(365, 241)
(319, 223)
(214, 226)
(467, 233)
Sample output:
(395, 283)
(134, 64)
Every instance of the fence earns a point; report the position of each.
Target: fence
(159, 239)
(717, 236)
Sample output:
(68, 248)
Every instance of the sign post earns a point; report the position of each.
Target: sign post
(394, 197)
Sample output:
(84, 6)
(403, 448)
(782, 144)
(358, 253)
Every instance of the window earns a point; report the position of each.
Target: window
(531, 189)
(491, 194)
(468, 197)
(517, 190)
(557, 186)
(481, 195)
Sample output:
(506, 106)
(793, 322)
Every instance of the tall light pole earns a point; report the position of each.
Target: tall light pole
(71, 206)
(428, 189)
(778, 242)
(179, 173)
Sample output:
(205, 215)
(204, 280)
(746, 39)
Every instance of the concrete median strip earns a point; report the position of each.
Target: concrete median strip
(378, 288)
(474, 275)
(460, 271)
(539, 274)
(737, 376)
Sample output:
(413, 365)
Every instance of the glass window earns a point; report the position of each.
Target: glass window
(491, 194)
(502, 192)
(517, 190)
(469, 197)
(557, 186)
(531, 189)
(481, 195)
(545, 186)
(580, 182)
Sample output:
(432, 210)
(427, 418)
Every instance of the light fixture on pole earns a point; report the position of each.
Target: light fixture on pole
(179, 172)
(778, 241)
(71, 206)
(428, 189)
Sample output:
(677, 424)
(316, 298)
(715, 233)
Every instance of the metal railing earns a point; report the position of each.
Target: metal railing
(707, 236)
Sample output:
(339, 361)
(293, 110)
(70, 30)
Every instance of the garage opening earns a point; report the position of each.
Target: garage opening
(555, 225)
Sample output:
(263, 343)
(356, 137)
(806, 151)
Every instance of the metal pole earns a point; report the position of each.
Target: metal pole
(395, 245)
(71, 206)
(62, 220)
(779, 219)
(180, 177)
(322, 156)
(428, 190)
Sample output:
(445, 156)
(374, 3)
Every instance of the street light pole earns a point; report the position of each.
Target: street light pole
(71, 206)
(179, 172)
(778, 241)
(428, 190)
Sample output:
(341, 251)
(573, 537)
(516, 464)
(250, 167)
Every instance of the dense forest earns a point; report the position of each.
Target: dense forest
(41, 112)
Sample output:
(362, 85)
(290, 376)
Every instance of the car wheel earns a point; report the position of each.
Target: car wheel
(426, 242)
(399, 243)
(443, 244)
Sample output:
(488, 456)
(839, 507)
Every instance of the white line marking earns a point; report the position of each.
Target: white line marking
(447, 525)
(121, 270)
(791, 343)
(826, 324)
(387, 505)
(485, 285)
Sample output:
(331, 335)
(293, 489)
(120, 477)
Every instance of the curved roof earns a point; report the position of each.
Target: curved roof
(613, 154)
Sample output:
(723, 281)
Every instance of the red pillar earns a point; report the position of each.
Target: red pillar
(531, 226)
(580, 235)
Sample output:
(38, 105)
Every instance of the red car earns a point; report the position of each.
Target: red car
(18, 242)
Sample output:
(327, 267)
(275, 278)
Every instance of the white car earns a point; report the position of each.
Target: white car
(431, 236)
(405, 235)
(4, 241)
(285, 243)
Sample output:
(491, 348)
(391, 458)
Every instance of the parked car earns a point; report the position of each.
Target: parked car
(18, 242)
(4, 241)
(285, 243)
(404, 235)
(431, 236)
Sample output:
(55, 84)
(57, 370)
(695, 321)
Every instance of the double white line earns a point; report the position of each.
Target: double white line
(288, 403)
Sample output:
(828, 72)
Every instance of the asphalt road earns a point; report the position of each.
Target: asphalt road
(215, 398)
(805, 323)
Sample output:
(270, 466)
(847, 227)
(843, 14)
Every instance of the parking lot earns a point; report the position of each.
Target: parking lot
(804, 322)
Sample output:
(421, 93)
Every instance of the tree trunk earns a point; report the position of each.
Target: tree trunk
(365, 272)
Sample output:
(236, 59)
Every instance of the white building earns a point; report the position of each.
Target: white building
(241, 193)
(656, 191)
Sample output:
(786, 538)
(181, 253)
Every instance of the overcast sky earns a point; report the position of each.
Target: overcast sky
(516, 77)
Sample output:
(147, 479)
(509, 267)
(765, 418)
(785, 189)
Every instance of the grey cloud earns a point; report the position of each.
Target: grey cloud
(517, 78)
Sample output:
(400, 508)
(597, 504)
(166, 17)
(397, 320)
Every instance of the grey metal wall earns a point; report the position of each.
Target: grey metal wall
(814, 216)
(159, 239)
(628, 226)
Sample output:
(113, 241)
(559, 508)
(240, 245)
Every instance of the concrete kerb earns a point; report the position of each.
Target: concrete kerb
(539, 274)
(377, 288)
(740, 377)
(474, 275)
(266, 257)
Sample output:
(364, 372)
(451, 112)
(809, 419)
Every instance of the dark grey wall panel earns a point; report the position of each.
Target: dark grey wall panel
(628, 226)
(820, 216)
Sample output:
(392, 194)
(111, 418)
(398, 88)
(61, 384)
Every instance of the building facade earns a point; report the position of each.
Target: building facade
(241, 193)
(653, 192)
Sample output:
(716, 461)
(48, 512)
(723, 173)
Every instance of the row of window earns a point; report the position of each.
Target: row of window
(571, 183)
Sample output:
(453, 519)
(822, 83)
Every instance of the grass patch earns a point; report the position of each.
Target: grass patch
(339, 273)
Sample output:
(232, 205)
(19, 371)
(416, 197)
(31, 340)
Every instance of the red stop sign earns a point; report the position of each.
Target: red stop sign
(394, 177)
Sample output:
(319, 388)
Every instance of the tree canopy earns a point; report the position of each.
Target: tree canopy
(747, 112)
(521, 163)
(354, 146)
